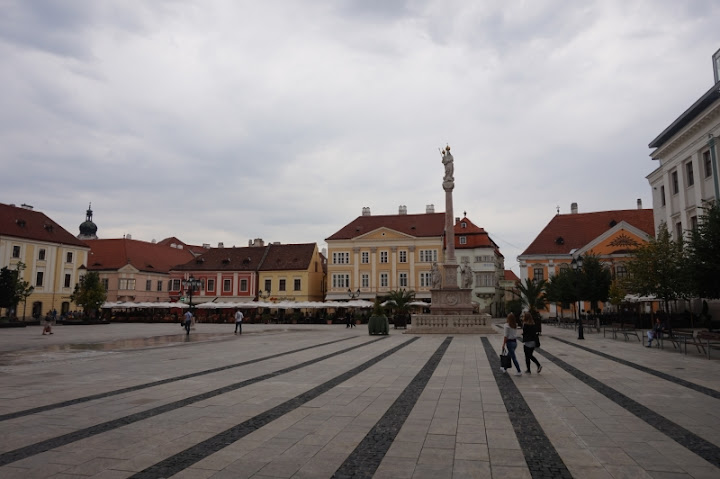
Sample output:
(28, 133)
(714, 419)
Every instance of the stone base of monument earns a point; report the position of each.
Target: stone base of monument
(451, 324)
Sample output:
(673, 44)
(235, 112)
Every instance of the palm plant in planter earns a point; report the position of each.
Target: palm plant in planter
(399, 300)
(378, 322)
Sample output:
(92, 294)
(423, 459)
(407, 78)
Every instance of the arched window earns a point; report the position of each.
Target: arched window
(37, 309)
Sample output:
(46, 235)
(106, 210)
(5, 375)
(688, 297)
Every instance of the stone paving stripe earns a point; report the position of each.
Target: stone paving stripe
(540, 455)
(40, 447)
(367, 456)
(70, 402)
(689, 440)
(183, 460)
(673, 379)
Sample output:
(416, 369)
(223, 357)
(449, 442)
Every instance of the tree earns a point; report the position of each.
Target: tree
(616, 294)
(13, 288)
(657, 268)
(703, 254)
(399, 300)
(562, 288)
(594, 282)
(532, 294)
(89, 293)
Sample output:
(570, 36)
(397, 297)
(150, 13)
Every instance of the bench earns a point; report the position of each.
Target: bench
(708, 340)
(625, 330)
(566, 322)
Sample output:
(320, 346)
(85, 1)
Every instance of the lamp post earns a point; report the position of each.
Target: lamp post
(353, 294)
(577, 264)
(191, 284)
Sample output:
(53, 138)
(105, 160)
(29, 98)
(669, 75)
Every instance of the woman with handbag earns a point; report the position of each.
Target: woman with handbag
(531, 340)
(510, 341)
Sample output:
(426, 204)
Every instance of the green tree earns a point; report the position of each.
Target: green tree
(532, 294)
(13, 288)
(399, 301)
(703, 254)
(657, 268)
(89, 293)
(595, 282)
(562, 288)
(616, 294)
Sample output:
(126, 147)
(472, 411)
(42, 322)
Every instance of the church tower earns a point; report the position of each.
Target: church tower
(88, 229)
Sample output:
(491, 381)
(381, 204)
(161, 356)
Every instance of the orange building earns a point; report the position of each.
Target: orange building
(609, 235)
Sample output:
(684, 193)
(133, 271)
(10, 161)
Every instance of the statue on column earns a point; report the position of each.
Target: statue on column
(467, 277)
(447, 160)
(436, 277)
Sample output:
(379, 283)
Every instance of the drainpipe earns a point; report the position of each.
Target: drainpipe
(713, 157)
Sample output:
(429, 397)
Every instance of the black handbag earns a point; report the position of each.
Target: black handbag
(504, 359)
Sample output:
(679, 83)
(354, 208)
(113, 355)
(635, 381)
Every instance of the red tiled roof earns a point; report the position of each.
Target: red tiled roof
(288, 257)
(33, 225)
(247, 258)
(195, 249)
(510, 275)
(113, 254)
(422, 225)
(573, 231)
(475, 236)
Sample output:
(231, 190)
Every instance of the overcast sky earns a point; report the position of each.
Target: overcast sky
(222, 121)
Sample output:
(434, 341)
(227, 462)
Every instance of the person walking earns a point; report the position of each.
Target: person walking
(188, 321)
(531, 340)
(510, 341)
(238, 321)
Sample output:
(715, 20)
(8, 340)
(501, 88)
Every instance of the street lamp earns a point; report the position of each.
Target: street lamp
(577, 264)
(353, 294)
(191, 284)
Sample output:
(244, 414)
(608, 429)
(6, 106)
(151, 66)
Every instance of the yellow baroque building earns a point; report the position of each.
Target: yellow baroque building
(54, 258)
(609, 235)
(373, 255)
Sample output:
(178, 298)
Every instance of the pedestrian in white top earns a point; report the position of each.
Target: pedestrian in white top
(238, 322)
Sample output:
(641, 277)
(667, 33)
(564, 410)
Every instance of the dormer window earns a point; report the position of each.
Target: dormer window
(463, 240)
(559, 240)
(463, 225)
(226, 261)
(20, 223)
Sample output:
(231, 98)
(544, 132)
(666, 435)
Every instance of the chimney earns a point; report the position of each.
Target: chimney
(457, 219)
(366, 211)
(430, 209)
(402, 210)
(257, 242)
(573, 208)
(639, 203)
(128, 236)
(221, 245)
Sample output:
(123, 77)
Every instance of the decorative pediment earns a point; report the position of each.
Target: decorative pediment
(384, 234)
(623, 240)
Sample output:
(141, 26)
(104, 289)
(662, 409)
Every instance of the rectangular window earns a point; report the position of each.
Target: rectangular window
(244, 285)
(41, 255)
(708, 164)
(383, 256)
(126, 284)
(341, 258)
(425, 279)
(210, 285)
(106, 283)
(463, 240)
(621, 271)
(675, 184)
(297, 284)
(268, 285)
(16, 251)
(68, 278)
(159, 285)
(486, 280)
(365, 257)
(148, 285)
(662, 195)
(340, 280)
(689, 172)
(428, 255)
(678, 231)
(281, 285)
(383, 280)
(68, 258)
(694, 223)
(227, 285)
(402, 256)
(365, 281)
(403, 280)
(538, 274)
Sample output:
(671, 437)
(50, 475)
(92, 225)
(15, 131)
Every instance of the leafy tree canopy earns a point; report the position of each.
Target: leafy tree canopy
(89, 293)
(595, 281)
(703, 254)
(532, 294)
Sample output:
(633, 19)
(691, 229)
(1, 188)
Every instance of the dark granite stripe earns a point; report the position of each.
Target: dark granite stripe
(691, 441)
(367, 456)
(70, 402)
(37, 448)
(673, 379)
(540, 455)
(174, 464)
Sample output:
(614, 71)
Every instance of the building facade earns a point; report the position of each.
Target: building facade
(373, 255)
(54, 258)
(687, 154)
(609, 235)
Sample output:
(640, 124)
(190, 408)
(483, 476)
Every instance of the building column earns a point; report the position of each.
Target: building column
(411, 261)
(373, 270)
(356, 268)
(393, 268)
